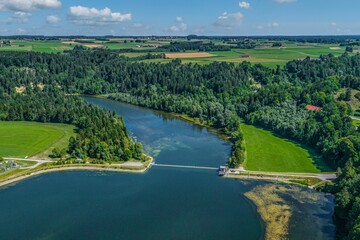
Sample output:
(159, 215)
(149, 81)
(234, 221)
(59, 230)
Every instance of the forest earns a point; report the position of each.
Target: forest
(101, 135)
(217, 95)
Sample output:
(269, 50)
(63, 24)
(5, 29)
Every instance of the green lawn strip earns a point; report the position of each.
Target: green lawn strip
(269, 153)
(306, 181)
(23, 163)
(20, 139)
(15, 172)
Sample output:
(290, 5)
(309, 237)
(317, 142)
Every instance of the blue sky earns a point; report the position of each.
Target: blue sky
(179, 17)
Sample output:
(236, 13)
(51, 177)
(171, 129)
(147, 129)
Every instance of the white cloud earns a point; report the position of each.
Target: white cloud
(273, 25)
(268, 26)
(334, 24)
(18, 17)
(284, 1)
(245, 5)
(94, 16)
(28, 5)
(229, 20)
(137, 25)
(52, 19)
(180, 27)
(20, 30)
(21, 17)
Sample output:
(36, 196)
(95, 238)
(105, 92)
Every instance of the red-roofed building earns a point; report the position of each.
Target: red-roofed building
(312, 108)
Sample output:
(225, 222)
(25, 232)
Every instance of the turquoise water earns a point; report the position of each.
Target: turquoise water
(164, 203)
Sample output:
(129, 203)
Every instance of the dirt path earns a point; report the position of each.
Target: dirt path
(280, 175)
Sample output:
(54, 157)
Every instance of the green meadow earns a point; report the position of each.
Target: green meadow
(37, 46)
(20, 139)
(269, 153)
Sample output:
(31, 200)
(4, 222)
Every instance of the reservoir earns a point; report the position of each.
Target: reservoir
(163, 203)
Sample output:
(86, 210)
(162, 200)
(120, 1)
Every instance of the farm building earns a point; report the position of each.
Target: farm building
(245, 56)
(312, 108)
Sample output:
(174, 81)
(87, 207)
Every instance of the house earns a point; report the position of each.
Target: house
(312, 108)
(245, 56)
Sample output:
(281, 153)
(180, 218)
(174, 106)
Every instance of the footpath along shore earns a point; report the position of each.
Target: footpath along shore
(127, 167)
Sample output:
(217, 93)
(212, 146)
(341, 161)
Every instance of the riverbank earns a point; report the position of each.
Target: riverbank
(219, 132)
(310, 180)
(49, 167)
(299, 176)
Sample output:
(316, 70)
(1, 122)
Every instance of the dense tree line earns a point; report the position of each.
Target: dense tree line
(193, 46)
(148, 56)
(218, 95)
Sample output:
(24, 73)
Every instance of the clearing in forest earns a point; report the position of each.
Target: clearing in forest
(269, 153)
(20, 139)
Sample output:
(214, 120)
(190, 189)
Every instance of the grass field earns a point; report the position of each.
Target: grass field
(20, 139)
(266, 152)
(268, 56)
(37, 46)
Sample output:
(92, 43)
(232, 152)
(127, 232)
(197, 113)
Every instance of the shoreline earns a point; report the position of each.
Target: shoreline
(183, 117)
(54, 168)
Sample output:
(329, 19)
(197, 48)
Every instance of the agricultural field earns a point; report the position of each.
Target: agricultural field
(37, 46)
(269, 153)
(118, 43)
(268, 56)
(264, 54)
(188, 55)
(20, 139)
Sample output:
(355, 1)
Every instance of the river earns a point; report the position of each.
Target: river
(163, 203)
